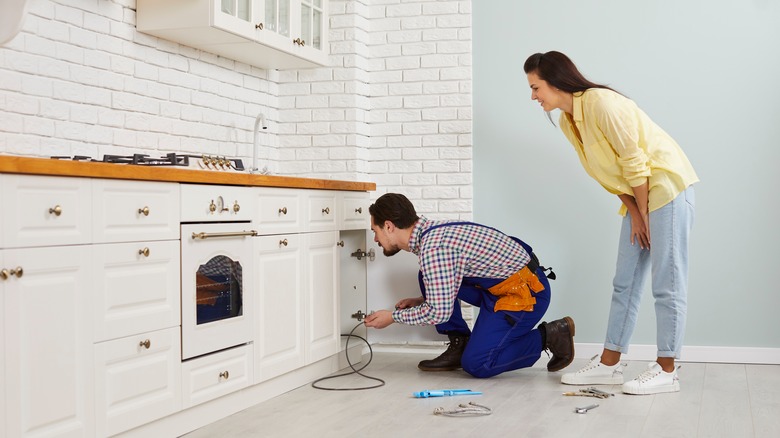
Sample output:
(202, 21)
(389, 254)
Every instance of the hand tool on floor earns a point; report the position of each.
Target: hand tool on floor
(590, 392)
(443, 392)
(464, 410)
(585, 409)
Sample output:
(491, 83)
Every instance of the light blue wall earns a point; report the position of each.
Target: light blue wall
(708, 72)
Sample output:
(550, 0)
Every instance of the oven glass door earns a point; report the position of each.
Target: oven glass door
(215, 283)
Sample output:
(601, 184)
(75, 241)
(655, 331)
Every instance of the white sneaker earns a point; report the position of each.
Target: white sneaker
(595, 373)
(654, 380)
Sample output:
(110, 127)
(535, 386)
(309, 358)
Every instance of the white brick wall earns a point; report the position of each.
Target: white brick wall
(394, 107)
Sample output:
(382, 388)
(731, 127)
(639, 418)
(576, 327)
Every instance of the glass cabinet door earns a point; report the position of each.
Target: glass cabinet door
(277, 16)
(241, 9)
(241, 17)
(311, 23)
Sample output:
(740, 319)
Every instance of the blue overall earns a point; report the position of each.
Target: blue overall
(501, 341)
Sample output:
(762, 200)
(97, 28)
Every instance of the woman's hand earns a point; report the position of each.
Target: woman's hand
(640, 230)
(640, 218)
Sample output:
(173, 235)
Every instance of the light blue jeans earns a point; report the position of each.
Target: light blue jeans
(670, 228)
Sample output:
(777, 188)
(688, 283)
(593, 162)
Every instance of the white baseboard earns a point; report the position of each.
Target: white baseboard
(743, 355)
(692, 353)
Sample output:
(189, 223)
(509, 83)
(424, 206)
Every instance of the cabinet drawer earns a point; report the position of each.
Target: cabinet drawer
(137, 380)
(277, 243)
(135, 210)
(213, 203)
(214, 375)
(321, 211)
(136, 288)
(279, 211)
(45, 211)
(354, 211)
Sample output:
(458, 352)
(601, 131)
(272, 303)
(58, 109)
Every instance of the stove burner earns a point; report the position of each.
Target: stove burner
(168, 160)
(206, 162)
(74, 158)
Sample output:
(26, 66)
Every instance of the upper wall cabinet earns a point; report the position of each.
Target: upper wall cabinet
(271, 34)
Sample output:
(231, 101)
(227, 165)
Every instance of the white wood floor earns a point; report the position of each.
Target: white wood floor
(716, 400)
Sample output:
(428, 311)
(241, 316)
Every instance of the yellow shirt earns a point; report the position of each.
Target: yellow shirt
(620, 147)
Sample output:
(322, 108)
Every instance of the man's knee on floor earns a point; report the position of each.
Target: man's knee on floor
(476, 368)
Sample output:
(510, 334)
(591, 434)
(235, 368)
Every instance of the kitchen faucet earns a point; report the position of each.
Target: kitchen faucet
(259, 121)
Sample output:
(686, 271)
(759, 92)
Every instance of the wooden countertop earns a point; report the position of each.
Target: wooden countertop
(52, 167)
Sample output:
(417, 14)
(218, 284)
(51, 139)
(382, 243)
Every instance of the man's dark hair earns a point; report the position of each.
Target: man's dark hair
(393, 207)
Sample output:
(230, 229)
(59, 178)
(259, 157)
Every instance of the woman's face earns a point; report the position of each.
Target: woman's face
(542, 92)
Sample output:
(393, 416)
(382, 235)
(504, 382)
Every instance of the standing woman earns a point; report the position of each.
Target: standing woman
(633, 158)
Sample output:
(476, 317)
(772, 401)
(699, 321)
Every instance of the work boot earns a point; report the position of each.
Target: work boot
(450, 359)
(558, 338)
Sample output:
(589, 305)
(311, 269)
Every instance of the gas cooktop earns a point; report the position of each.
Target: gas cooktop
(204, 162)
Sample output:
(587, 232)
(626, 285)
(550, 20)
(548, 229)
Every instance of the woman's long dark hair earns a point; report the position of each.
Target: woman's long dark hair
(558, 70)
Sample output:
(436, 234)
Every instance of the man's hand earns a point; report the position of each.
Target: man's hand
(409, 302)
(379, 319)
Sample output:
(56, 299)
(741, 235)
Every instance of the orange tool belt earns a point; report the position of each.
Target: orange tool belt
(515, 292)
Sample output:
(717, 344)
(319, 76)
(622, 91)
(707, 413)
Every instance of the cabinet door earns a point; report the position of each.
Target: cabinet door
(279, 342)
(278, 23)
(278, 211)
(138, 380)
(322, 211)
(241, 17)
(126, 211)
(311, 31)
(48, 341)
(354, 211)
(136, 288)
(45, 211)
(214, 375)
(3, 278)
(322, 311)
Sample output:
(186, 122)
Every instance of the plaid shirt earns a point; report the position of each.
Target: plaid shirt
(450, 253)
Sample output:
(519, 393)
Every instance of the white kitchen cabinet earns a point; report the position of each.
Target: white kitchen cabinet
(224, 204)
(280, 306)
(279, 211)
(3, 329)
(321, 211)
(323, 335)
(45, 211)
(297, 278)
(128, 211)
(49, 383)
(271, 34)
(137, 380)
(354, 211)
(136, 288)
(215, 375)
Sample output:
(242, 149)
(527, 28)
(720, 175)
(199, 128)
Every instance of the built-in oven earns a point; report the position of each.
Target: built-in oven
(216, 270)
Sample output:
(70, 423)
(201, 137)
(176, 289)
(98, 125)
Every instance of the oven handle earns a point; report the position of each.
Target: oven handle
(216, 235)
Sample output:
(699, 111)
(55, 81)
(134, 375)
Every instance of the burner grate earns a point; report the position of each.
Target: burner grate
(206, 162)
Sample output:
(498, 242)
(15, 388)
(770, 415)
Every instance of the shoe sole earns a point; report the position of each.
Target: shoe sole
(570, 324)
(657, 390)
(600, 381)
(436, 369)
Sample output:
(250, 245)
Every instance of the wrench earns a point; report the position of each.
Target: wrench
(585, 409)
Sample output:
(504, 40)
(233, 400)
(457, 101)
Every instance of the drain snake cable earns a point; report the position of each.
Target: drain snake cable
(354, 371)
(463, 410)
